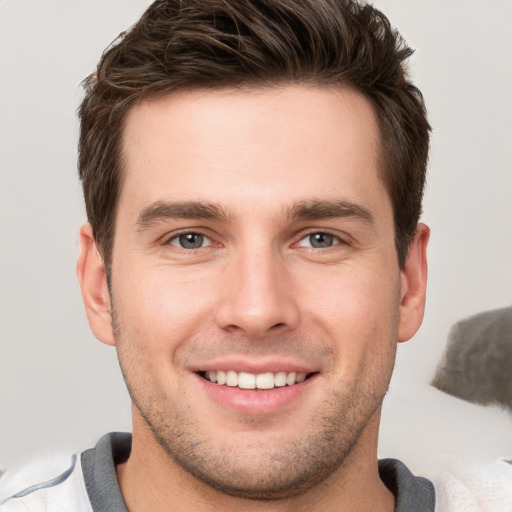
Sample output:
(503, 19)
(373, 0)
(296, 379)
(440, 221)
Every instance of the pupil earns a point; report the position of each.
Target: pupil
(191, 241)
(321, 240)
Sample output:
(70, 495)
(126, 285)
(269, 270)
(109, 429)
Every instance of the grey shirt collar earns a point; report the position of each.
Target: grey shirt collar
(413, 494)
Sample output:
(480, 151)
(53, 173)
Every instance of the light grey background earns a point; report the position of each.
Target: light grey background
(60, 389)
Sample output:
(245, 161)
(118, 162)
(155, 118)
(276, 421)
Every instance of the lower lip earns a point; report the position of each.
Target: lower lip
(255, 401)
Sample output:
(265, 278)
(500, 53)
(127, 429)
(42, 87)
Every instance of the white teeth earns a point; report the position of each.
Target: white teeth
(265, 380)
(280, 379)
(232, 378)
(245, 380)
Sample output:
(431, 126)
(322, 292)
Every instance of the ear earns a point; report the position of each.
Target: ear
(93, 283)
(413, 285)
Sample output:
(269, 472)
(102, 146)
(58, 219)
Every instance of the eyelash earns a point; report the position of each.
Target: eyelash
(177, 236)
(337, 240)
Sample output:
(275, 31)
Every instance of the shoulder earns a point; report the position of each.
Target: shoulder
(52, 484)
(475, 488)
(80, 482)
(412, 493)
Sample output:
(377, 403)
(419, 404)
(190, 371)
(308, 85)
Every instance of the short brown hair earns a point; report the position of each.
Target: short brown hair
(190, 44)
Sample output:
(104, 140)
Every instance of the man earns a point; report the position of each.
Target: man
(253, 174)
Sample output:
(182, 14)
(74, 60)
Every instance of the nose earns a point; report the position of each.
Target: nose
(257, 296)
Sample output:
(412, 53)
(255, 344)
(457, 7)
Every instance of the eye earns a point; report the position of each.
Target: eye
(190, 240)
(319, 240)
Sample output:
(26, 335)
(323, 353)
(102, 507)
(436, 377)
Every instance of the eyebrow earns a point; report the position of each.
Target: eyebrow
(321, 209)
(162, 210)
(303, 210)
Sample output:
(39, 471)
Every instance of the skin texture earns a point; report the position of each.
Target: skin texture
(274, 166)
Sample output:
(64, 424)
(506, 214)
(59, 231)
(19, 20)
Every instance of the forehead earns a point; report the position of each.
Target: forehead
(252, 146)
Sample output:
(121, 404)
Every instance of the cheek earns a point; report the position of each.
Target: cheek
(358, 312)
(160, 308)
(356, 298)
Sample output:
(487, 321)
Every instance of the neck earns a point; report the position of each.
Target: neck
(150, 480)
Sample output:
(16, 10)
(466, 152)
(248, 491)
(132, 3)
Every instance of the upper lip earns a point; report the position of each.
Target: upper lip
(253, 366)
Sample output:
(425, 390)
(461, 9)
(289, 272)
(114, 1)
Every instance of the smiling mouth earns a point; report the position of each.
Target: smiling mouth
(245, 380)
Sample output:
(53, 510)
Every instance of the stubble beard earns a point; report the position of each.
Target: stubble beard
(255, 471)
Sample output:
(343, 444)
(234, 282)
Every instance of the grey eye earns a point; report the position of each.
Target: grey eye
(189, 240)
(321, 240)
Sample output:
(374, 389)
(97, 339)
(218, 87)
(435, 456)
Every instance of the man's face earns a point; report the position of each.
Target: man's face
(254, 240)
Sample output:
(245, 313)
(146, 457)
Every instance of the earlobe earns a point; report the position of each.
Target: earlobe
(413, 285)
(93, 284)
